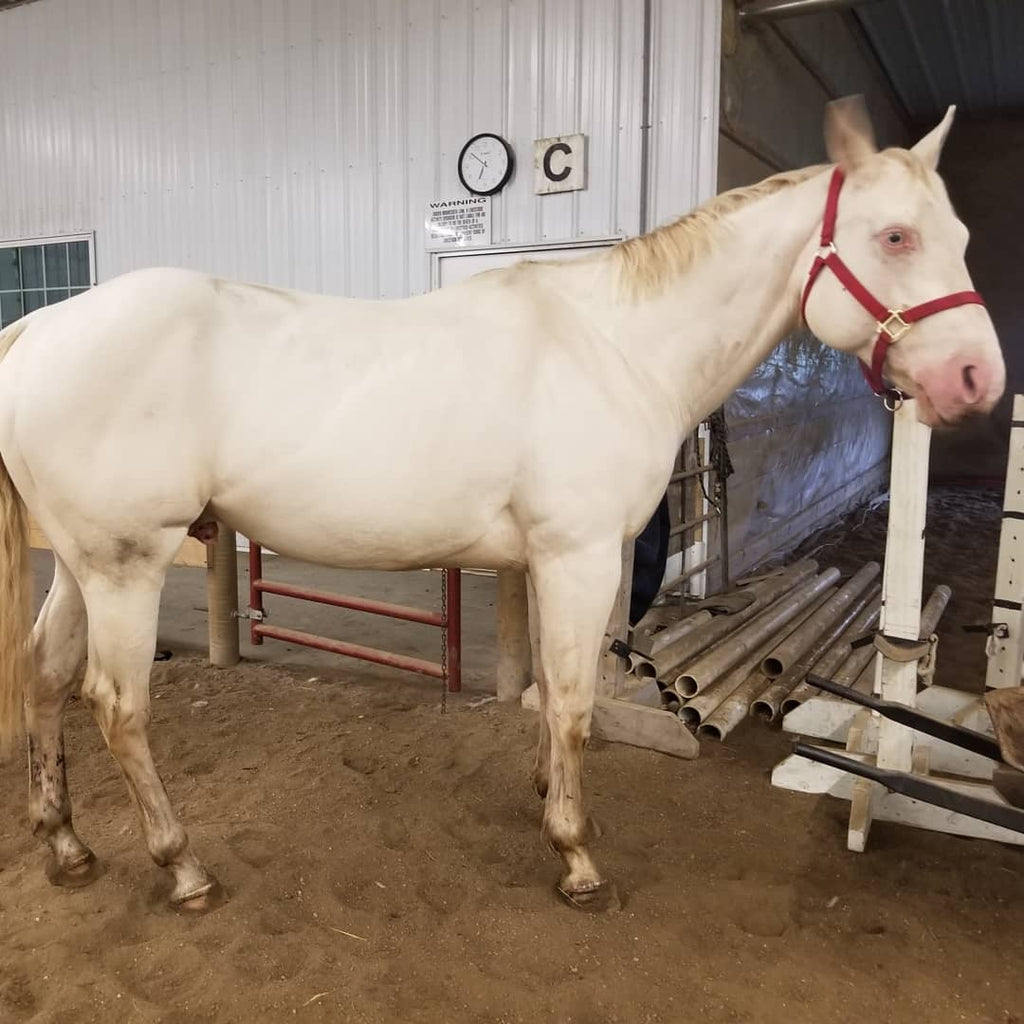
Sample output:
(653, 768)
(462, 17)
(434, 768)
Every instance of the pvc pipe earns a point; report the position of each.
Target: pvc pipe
(734, 708)
(222, 598)
(932, 611)
(699, 707)
(789, 652)
(766, 706)
(765, 627)
(837, 655)
(639, 666)
(668, 660)
(670, 634)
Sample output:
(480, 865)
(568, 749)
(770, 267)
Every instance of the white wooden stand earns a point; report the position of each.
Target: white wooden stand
(1006, 650)
(616, 717)
(867, 736)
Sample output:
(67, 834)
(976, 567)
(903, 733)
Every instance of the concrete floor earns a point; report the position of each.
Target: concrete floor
(183, 626)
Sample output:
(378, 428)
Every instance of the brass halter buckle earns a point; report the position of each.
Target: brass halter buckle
(894, 325)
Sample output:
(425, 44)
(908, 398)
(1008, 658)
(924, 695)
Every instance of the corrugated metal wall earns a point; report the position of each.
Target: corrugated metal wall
(297, 141)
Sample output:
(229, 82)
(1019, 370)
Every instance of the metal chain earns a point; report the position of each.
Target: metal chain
(444, 642)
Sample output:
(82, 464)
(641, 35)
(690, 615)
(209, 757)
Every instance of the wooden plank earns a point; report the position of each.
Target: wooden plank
(838, 721)
(904, 573)
(653, 729)
(957, 706)
(1007, 654)
(822, 717)
(862, 813)
(803, 776)
(638, 725)
(865, 792)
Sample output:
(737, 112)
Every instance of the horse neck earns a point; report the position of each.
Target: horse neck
(703, 335)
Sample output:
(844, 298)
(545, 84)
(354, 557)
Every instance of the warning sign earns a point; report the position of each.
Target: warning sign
(458, 223)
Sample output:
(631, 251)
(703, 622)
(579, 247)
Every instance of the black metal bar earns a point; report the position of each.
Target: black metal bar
(966, 739)
(916, 788)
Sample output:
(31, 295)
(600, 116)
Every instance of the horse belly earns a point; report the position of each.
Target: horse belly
(378, 524)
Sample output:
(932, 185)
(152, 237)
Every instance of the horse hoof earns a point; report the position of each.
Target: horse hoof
(602, 898)
(75, 876)
(209, 898)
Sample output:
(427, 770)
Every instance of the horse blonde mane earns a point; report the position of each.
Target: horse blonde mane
(645, 264)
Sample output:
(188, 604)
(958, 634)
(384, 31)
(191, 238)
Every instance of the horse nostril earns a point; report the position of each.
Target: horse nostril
(970, 384)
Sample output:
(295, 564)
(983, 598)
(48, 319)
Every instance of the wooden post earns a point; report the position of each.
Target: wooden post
(1004, 664)
(902, 584)
(222, 598)
(515, 662)
(904, 575)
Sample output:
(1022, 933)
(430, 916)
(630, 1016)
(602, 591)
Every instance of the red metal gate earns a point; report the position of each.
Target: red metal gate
(448, 620)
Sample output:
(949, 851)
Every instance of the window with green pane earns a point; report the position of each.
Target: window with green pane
(37, 274)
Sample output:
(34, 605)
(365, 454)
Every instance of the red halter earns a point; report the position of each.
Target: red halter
(892, 323)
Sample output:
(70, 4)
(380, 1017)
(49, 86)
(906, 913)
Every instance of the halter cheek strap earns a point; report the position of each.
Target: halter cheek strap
(892, 324)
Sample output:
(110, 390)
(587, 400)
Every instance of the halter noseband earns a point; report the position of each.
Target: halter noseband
(892, 323)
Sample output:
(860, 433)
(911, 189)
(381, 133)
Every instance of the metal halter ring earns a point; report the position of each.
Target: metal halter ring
(892, 399)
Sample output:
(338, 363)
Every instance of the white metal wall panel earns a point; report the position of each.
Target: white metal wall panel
(297, 141)
(684, 106)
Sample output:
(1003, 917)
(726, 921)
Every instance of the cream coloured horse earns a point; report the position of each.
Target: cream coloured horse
(536, 411)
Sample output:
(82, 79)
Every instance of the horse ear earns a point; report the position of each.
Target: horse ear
(849, 138)
(929, 148)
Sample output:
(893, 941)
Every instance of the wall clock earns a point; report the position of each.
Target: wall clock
(485, 164)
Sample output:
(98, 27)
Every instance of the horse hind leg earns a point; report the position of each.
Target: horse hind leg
(122, 642)
(59, 645)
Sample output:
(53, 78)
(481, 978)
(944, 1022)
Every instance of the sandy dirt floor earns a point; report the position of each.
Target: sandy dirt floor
(383, 863)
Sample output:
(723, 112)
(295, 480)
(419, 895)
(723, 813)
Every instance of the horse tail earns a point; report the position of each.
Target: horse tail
(15, 595)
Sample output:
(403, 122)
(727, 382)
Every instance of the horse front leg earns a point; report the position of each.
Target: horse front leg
(575, 595)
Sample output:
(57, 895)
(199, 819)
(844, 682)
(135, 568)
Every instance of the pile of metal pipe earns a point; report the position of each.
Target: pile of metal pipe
(764, 628)
(714, 667)
(703, 703)
(669, 660)
(788, 658)
(788, 653)
(828, 651)
(834, 658)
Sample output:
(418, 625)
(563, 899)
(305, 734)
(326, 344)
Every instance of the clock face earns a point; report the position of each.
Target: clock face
(485, 164)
